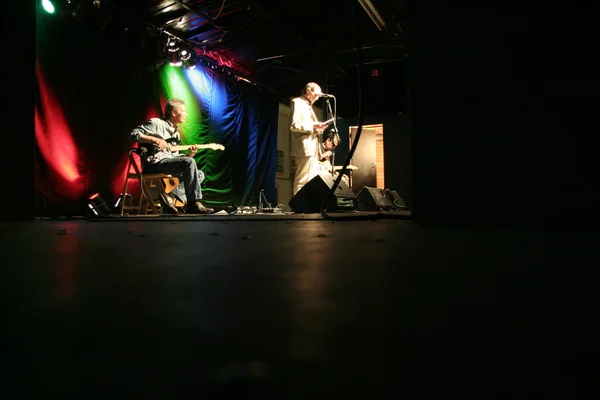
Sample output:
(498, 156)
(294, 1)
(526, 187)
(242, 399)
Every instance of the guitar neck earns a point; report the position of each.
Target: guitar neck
(188, 146)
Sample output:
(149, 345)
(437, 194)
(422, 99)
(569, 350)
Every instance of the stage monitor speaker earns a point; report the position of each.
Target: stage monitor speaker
(310, 198)
(397, 201)
(375, 199)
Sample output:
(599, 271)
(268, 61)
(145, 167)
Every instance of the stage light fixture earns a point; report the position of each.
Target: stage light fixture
(172, 46)
(48, 6)
(176, 60)
(98, 206)
(189, 64)
(185, 52)
(128, 201)
(372, 13)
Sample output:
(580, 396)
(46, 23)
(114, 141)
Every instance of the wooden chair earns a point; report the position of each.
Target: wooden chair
(149, 184)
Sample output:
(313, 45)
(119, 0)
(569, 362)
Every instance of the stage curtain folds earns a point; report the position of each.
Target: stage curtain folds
(94, 86)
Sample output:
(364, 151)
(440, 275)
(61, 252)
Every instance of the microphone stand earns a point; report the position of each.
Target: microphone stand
(333, 130)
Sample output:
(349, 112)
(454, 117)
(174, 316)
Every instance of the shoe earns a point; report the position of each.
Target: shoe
(168, 204)
(198, 208)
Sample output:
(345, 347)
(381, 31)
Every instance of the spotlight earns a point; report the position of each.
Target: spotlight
(98, 206)
(172, 46)
(189, 64)
(185, 53)
(48, 6)
(175, 60)
(128, 202)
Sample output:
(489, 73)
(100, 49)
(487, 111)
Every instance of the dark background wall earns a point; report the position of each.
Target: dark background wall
(384, 93)
(16, 197)
(503, 103)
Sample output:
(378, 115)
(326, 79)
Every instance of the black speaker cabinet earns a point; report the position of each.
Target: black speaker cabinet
(375, 199)
(310, 198)
(397, 201)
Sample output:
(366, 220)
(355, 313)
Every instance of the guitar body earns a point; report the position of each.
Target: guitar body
(152, 153)
(324, 166)
(170, 183)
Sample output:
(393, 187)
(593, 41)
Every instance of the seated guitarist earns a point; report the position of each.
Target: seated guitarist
(326, 152)
(156, 132)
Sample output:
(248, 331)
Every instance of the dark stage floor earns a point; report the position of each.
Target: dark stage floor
(295, 309)
(262, 216)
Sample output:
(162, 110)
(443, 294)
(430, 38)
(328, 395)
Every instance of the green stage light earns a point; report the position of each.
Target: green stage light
(48, 6)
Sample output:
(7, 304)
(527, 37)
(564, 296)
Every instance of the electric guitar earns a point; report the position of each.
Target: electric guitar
(153, 154)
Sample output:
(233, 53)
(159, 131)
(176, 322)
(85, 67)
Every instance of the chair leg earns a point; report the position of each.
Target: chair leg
(124, 194)
(149, 201)
(142, 197)
(154, 207)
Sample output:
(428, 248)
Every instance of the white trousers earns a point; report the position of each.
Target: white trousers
(306, 169)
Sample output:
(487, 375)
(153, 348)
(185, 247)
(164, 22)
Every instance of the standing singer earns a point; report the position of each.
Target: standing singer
(306, 129)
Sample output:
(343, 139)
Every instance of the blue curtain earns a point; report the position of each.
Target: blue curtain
(242, 117)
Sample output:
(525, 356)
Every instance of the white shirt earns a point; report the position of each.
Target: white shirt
(160, 128)
(304, 142)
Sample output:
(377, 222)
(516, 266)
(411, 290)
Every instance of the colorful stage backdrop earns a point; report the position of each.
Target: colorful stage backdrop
(95, 84)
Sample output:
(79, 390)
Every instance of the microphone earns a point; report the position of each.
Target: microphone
(326, 95)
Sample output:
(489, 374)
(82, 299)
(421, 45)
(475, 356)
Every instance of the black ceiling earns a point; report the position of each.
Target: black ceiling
(282, 44)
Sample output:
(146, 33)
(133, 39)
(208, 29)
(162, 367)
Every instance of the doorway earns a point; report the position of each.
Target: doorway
(368, 158)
